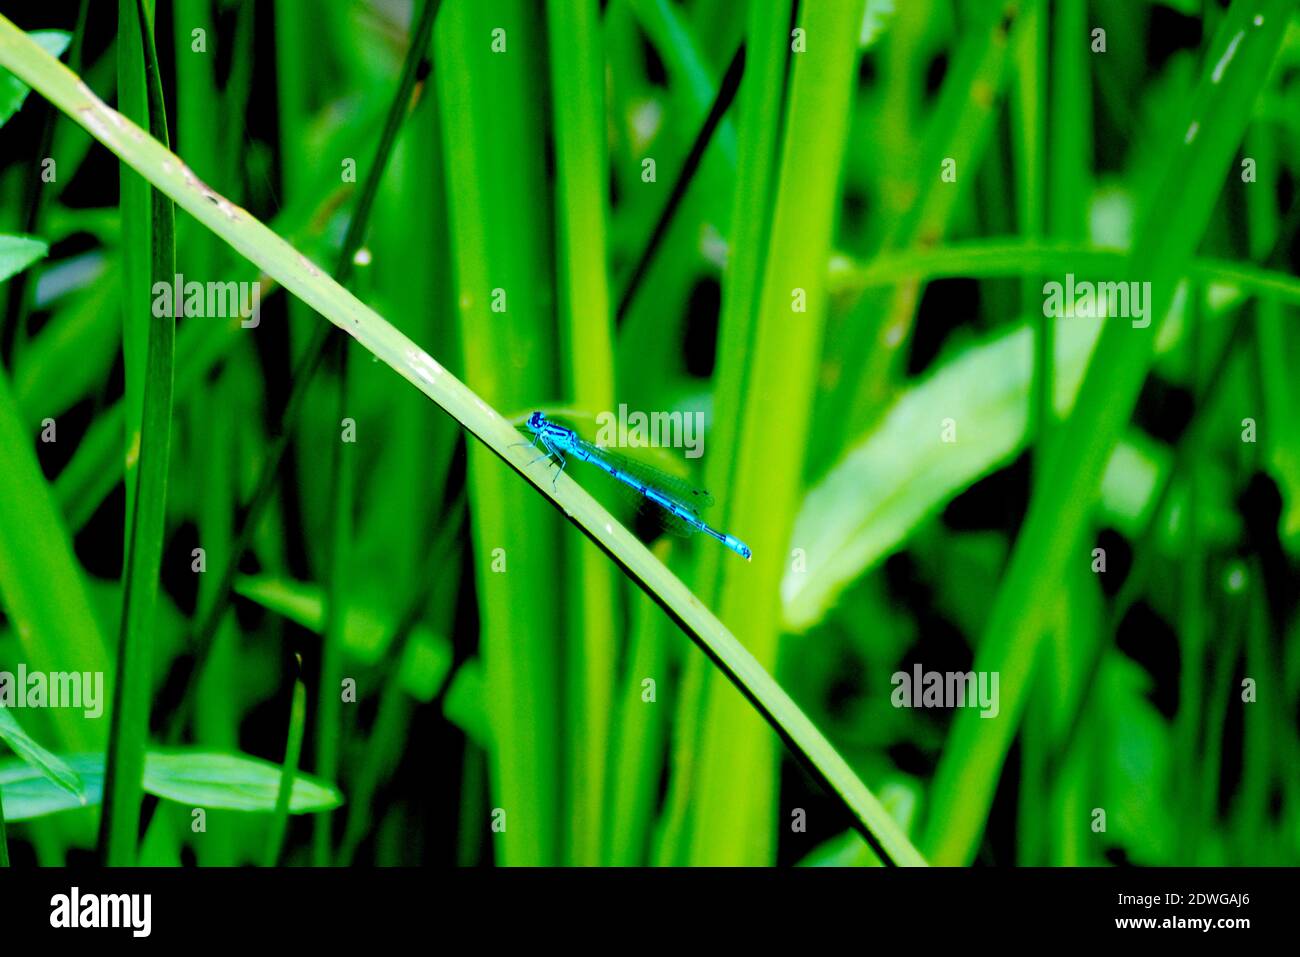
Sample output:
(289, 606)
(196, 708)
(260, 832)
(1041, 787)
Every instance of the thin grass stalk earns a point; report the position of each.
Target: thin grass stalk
(329, 712)
(489, 113)
(129, 730)
(1070, 123)
(729, 827)
(1002, 256)
(197, 102)
(761, 98)
(292, 754)
(577, 90)
(134, 210)
(1028, 146)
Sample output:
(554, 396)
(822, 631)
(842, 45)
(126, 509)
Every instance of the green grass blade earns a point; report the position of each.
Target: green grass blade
(727, 827)
(999, 257)
(637, 737)
(41, 584)
(120, 821)
(577, 80)
(761, 93)
(488, 113)
(292, 752)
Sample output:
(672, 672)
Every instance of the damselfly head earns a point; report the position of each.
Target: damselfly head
(537, 421)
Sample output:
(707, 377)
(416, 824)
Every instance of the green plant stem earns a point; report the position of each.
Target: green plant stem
(761, 97)
(509, 351)
(129, 731)
(292, 753)
(997, 257)
(337, 574)
(577, 79)
(775, 421)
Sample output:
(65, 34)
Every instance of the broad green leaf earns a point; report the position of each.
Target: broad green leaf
(13, 91)
(37, 757)
(867, 504)
(1132, 475)
(19, 252)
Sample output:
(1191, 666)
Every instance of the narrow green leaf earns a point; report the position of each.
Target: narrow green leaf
(13, 91)
(23, 745)
(488, 112)
(42, 586)
(999, 257)
(577, 71)
(231, 782)
(224, 782)
(19, 252)
(774, 422)
(146, 508)
(292, 754)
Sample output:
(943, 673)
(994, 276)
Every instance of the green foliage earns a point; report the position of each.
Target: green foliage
(306, 579)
